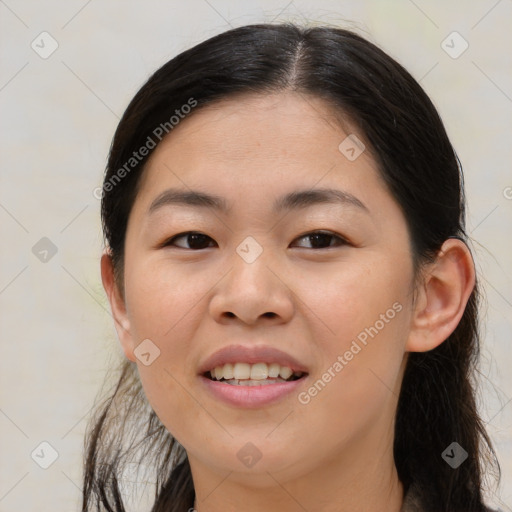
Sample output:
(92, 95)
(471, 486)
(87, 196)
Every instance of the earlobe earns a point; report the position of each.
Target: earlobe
(442, 296)
(117, 305)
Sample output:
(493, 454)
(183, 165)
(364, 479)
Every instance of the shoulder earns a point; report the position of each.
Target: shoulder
(415, 500)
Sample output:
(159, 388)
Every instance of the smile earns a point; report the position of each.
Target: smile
(258, 374)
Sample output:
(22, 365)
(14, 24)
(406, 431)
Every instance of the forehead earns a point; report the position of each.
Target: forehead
(253, 140)
(275, 119)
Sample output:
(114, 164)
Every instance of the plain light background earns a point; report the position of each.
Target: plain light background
(58, 115)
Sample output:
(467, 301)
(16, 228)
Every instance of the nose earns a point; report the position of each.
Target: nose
(253, 292)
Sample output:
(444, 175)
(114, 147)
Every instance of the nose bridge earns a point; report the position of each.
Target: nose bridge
(250, 250)
(250, 264)
(251, 288)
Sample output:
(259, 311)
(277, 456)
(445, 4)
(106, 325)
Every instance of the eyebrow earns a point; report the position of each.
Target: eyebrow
(298, 199)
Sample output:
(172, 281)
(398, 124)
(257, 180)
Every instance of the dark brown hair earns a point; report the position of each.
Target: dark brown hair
(410, 145)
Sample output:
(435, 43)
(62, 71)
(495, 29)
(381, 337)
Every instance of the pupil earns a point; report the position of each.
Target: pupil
(320, 237)
(196, 237)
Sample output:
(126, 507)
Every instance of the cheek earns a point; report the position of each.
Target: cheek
(166, 392)
(161, 299)
(354, 300)
(365, 317)
(163, 305)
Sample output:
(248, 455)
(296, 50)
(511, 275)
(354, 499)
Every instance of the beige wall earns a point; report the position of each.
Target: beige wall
(58, 115)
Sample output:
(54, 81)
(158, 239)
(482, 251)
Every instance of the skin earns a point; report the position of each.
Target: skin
(335, 452)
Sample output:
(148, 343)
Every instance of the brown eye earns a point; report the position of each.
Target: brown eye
(323, 239)
(195, 240)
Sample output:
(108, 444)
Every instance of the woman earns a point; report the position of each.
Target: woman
(287, 270)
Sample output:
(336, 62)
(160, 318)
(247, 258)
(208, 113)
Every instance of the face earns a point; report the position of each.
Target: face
(325, 279)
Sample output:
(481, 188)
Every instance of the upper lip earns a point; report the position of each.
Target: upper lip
(250, 354)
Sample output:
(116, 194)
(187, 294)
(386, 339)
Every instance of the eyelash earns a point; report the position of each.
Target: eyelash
(342, 241)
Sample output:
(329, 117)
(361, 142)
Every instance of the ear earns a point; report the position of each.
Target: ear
(442, 296)
(117, 305)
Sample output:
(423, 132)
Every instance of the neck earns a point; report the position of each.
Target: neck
(353, 481)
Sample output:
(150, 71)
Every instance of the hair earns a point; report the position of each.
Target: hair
(403, 131)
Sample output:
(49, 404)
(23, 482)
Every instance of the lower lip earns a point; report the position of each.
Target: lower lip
(250, 397)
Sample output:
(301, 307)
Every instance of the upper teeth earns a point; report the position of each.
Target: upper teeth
(258, 371)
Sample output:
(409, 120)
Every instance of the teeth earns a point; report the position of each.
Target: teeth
(255, 372)
(285, 372)
(259, 371)
(251, 382)
(228, 371)
(240, 371)
(273, 370)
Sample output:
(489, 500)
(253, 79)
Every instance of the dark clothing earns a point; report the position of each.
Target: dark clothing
(415, 502)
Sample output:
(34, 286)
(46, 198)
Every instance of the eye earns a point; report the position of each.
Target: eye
(196, 240)
(321, 238)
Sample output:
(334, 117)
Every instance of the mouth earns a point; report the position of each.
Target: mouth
(258, 374)
(251, 376)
